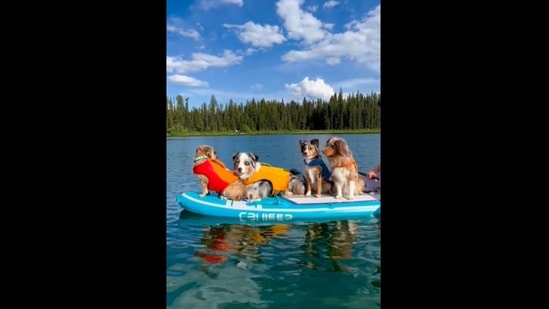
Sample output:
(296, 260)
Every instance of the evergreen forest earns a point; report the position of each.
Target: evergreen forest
(355, 112)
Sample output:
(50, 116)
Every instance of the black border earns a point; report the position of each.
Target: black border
(98, 129)
(420, 255)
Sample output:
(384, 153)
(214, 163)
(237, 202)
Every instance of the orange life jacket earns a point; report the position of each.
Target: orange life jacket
(279, 177)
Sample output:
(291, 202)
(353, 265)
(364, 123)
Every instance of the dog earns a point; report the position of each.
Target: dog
(263, 188)
(317, 174)
(245, 164)
(344, 168)
(215, 176)
(297, 184)
(258, 190)
(261, 179)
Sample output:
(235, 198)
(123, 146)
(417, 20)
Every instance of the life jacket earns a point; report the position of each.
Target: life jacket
(348, 163)
(279, 177)
(218, 175)
(325, 170)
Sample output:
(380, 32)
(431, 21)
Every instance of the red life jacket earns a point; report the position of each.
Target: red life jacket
(218, 175)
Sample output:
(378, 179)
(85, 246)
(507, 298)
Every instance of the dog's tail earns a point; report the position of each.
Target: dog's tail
(295, 172)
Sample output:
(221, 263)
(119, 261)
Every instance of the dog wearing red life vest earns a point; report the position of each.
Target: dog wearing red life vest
(214, 176)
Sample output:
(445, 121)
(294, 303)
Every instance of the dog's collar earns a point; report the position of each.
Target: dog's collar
(313, 162)
(345, 164)
(200, 158)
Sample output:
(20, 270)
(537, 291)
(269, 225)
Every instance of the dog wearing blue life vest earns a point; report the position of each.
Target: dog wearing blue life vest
(317, 173)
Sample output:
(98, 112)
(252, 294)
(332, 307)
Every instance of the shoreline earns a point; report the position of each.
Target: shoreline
(282, 132)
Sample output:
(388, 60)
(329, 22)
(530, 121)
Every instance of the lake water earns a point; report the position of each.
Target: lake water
(215, 264)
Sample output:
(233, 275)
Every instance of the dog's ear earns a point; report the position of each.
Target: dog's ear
(342, 147)
(253, 156)
(235, 155)
(209, 151)
(302, 142)
(314, 141)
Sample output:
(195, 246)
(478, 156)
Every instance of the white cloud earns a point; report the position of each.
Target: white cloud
(329, 4)
(299, 24)
(186, 81)
(201, 61)
(186, 33)
(208, 4)
(312, 8)
(257, 35)
(360, 43)
(312, 89)
(249, 51)
(237, 2)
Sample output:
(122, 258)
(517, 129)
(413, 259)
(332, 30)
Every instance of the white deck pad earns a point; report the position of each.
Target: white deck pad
(326, 198)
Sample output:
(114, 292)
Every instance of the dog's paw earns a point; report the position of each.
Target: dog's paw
(202, 194)
(318, 195)
(308, 193)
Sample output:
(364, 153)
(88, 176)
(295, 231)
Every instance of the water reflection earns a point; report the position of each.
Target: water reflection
(333, 240)
(323, 246)
(266, 263)
(226, 240)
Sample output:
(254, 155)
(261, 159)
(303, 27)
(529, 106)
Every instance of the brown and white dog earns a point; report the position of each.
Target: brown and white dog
(261, 179)
(317, 173)
(344, 168)
(214, 176)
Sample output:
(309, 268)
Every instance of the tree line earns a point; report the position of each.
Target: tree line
(353, 112)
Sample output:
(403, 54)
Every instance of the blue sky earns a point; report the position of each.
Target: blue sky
(271, 49)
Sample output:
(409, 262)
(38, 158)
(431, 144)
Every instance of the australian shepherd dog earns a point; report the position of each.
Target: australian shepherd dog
(214, 176)
(297, 183)
(262, 179)
(317, 173)
(344, 168)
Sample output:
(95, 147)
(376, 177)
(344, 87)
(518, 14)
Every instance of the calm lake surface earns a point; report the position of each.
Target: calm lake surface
(217, 264)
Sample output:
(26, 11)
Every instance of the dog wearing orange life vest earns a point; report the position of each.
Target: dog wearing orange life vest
(215, 176)
(344, 168)
(263, 180)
